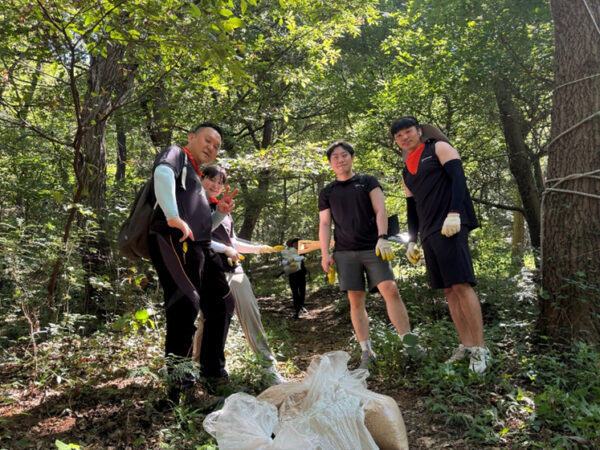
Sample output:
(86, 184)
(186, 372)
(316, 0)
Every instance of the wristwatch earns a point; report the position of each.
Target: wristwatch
(382, 236)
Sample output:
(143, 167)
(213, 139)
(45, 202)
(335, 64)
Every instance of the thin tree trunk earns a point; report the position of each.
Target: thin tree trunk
(121, 147)
(256, 200)
(158, 117)
(518, 240)
(520, 163)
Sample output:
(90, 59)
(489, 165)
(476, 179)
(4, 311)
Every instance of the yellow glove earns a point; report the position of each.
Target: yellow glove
(269, 249)
(413, 253)
(331, 275)
(384, 249)
(451, 225)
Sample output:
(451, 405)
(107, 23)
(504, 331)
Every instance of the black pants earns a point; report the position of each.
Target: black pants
(298, 286)
(203, 270)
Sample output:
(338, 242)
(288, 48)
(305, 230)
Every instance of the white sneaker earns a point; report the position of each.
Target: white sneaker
(480, 359)
(275, 376)
(459, 353)
(367, 360)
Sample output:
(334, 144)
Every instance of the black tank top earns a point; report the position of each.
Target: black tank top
(431, 187)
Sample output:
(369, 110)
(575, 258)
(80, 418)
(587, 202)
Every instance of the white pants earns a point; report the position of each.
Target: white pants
(246, 308)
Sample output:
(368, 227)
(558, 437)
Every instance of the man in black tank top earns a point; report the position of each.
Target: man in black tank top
(440, 210)
(356, 204)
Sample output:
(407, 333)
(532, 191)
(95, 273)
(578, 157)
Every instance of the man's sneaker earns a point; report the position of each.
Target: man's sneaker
(480, 359)
(303, 310)
(367, 360)
(459, 353)
(274, 376)
(418, 351)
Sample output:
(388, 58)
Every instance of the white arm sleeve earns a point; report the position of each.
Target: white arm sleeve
(218, 246)
(164, 190)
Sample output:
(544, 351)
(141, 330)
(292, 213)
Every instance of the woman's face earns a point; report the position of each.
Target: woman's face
(213, 186)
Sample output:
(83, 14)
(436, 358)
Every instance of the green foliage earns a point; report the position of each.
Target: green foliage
(284, 79)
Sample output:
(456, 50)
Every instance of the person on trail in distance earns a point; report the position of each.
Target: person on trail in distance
(294, 268)
(228, 245)
(440, 210)
(188, 269)
(356, 205)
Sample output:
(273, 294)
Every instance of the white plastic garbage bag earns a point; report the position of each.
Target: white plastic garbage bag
(330, 409)
(247, 423)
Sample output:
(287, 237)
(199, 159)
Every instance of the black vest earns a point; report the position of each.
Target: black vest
(192, 203)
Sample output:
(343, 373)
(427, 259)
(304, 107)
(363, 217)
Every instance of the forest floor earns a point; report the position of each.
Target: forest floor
(115, 406)
(324, 329)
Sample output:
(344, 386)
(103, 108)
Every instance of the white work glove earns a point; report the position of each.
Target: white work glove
(232, 256)
(451, 224)
(413, 253)
(384, 249)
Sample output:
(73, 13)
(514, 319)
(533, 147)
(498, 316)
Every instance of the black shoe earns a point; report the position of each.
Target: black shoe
(218, 385)
(303, 310)
(164, 405)
(199, 397)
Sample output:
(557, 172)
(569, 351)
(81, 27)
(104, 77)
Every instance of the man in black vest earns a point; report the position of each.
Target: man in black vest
(440, 210)
(356, 204)
(188, 269)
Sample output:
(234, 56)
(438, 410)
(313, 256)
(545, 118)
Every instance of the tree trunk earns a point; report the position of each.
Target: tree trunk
(157, 117)
(97, 107)
(519, 158)
(518, 241)
(570, 297)
(121, 147)
(255, 202)
(257, 199)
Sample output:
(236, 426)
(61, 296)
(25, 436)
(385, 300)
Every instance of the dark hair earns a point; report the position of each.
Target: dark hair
(291, 241)
(208, 125)
(214, 172)
(403, 123)
(345, 145)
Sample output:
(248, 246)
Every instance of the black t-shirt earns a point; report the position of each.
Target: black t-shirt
(352, 212)
(431, 187)
(192, 203)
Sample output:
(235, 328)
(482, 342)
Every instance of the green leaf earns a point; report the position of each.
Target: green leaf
(62, 446)
(142, 315)
(195, 11)
(410, 339)
(235, 22)
(225, 12)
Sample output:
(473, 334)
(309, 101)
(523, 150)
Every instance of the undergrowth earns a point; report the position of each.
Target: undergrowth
(533, 396)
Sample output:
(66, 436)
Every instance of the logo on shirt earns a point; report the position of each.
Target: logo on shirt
(426, 158)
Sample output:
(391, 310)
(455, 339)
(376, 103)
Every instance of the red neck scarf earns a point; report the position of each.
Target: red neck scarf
(194, 165)
(412, 161)
(213, 201)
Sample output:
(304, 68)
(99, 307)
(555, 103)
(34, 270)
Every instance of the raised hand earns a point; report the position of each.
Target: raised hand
(226, 204)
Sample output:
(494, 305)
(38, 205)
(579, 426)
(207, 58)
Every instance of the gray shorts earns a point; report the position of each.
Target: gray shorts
(352, 266)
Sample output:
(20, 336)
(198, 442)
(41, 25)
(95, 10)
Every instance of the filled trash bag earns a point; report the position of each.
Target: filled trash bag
(330, 409)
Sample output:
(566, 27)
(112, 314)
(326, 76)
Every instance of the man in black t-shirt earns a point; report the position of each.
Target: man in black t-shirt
(440, 209)
(356, 204)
